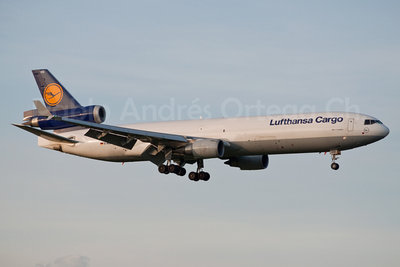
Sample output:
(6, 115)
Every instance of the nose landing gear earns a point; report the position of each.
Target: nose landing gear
(334, 154)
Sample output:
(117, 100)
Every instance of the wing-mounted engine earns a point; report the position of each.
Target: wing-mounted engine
(39, 118)
(205, 148)
(257, 162)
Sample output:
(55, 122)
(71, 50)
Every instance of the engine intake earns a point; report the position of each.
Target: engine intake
(258, 162)
(205, 148)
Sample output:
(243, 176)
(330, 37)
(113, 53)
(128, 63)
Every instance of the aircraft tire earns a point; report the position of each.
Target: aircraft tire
(173, 168)
(182, 172)
(206, 177)
(194, 176)
(162, 168)
(334, 166)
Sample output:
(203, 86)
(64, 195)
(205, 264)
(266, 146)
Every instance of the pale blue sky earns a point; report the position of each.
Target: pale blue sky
(286, 55)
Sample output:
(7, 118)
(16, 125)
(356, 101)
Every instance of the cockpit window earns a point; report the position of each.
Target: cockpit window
(369, 122)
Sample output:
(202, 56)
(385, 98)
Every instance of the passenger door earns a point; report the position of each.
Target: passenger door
(350, 126)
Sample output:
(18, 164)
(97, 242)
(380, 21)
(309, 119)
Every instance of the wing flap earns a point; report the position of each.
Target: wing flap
(111, 138)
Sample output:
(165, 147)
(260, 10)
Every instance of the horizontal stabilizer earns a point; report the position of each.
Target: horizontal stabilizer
(42, 110)
(46, 135)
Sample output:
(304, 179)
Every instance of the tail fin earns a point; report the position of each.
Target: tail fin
(53, 92)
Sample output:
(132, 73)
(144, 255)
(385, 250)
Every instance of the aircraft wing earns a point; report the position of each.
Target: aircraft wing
(127, 137)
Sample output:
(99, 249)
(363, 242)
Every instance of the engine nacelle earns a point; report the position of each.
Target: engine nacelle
(94, 113)
(204, 148)
(258, 162)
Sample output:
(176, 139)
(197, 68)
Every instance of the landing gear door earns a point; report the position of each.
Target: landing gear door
(350, 126)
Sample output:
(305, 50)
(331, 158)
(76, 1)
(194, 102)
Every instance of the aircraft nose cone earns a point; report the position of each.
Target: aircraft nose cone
(385, 131)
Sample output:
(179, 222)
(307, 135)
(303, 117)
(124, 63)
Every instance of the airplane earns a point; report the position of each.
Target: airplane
(64, 125)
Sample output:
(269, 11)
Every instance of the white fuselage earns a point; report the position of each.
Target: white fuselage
(277, 134)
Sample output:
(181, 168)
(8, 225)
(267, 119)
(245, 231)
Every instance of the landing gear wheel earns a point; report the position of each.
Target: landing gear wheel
(163, 169)
(194, 176)
(173, 168)
(334, 166)
(202, 175)
(182, 172)
(205, 176)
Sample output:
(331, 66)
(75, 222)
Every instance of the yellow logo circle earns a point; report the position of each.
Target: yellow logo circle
(53, 94)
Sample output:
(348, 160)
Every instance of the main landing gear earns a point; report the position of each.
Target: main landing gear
(179, 170)
(199, 174)
(172, 168)
(334, 154)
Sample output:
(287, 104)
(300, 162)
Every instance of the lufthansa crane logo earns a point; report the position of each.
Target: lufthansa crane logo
(53, 94)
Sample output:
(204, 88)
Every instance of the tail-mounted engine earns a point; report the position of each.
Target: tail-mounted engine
(94, 113)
